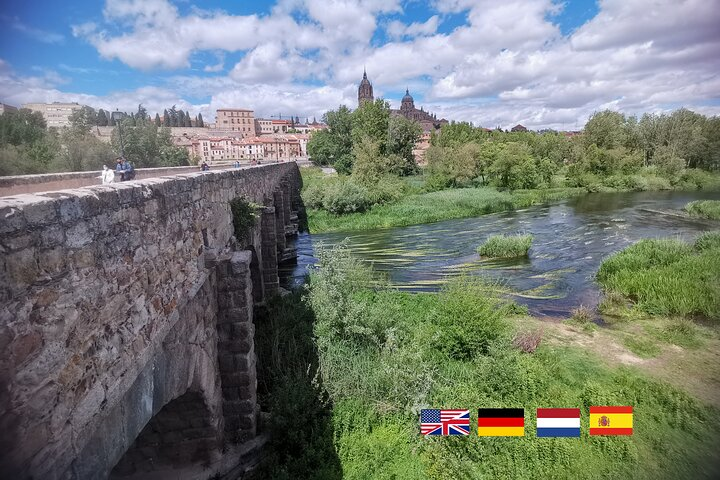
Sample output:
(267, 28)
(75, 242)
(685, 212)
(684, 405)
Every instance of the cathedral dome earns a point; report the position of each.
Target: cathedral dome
(407, 97)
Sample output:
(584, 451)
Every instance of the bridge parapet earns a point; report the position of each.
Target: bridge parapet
(116, 300)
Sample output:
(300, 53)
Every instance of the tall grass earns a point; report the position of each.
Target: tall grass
(383, 355)
(668, 277)
(704, 208)
(436, 206)
(506, 246)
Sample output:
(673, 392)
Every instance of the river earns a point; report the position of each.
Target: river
(571, 238)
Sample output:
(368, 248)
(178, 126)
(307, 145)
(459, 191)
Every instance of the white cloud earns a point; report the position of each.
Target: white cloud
(38, 34)
(509, 63)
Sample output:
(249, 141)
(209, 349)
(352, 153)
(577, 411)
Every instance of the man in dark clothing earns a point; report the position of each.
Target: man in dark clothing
(125, 169)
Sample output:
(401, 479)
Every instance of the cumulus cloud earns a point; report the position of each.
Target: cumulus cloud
(508, 63)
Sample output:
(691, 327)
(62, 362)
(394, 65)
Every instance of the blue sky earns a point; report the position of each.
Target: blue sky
(543, 63)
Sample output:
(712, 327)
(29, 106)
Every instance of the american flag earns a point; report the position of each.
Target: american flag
(445, 422)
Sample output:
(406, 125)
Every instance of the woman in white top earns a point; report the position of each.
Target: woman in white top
(108, 175)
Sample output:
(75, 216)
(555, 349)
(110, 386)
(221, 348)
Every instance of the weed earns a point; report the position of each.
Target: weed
(506, 246)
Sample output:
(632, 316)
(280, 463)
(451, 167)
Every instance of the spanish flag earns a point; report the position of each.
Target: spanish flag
(611, 420)
(501, 422)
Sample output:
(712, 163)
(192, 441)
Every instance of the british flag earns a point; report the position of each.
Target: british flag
(445, 422)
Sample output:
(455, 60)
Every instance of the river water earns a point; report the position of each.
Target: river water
(571, 238)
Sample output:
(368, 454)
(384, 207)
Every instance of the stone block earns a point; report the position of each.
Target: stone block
(40, 211)
(11, 220)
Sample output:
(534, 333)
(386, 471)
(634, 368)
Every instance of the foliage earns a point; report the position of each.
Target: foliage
(371, 120)
(333, 146)
(245, 215)
(346, 197)
(506, 246)
(146, 145)
(402, 136)
(704, 208)
(383, 355)
(667, 277)
(708, 241)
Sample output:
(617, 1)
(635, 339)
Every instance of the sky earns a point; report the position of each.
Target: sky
(540, 63)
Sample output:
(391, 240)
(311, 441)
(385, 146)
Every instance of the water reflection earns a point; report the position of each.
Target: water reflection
(571, 239)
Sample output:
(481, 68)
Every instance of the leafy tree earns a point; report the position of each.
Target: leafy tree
(181, 119)
(158, 123)
(83, 120)
(371, 119)
(188, 122)
(514, 166)
(173, 117)
(333, 146)
(81, 152)
(166, 119)
(141, 114)
(200, 121)
(403, 134)
(21, 127)
(607, 129)
(102, 119)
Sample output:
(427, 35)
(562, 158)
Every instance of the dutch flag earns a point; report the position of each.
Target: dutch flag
(558, 422)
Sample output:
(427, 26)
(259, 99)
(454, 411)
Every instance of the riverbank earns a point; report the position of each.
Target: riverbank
(373, 357)
(407, 204)
(436, 206)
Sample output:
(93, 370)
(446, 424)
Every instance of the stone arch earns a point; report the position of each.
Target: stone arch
(182, 434)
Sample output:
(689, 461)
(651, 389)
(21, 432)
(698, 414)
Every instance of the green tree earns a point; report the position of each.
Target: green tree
(514, 166)
(333, 145)
(141, 114)
(158, 123)
(200, 121)
(403, 134)
(166, 119)
(83, 120)
(371, 120)
(21, 127)
(102, 119)
(181, 118)
(606, 129)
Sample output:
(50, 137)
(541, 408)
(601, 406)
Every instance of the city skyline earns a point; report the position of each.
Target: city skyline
(540, 63)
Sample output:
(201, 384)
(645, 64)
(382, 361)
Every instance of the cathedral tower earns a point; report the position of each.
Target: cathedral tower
(365, 90)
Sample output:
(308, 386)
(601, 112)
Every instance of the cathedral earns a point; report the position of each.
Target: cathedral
(428, 121)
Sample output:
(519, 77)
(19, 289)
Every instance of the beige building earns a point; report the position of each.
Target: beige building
(56, 114)
(236, 120)
(265, 147)
(7, 108)
(263, 126)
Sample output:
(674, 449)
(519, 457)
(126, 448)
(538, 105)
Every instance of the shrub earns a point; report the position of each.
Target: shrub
(346, 197)
(506, 246)
(528, 342)
(313, 196)
(470, 319)
(582, 314)
(704, 208)
(244, 217)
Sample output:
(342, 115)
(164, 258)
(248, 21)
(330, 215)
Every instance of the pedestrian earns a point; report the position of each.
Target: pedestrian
(204, 167)
(108, 176)
(125, 169)
(237, 163)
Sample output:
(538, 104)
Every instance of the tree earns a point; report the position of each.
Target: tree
(514, 166)
(371, 120)
(102, 120)
(180, 119)
(166, 119)
(188, 122)
(199, 121)
(606, 129)
(402, 136)
(158, 123)
(333, 146)
(21, 127)
(83, 120)
(141, 114)
(173, 117)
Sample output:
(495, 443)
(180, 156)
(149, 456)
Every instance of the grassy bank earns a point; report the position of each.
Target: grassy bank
(506, 246)
(665, 277)
(704, 209)
(432, 207)
(381, 355)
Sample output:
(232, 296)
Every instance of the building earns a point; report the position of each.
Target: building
(263, 126)
(365, 90)
(518, 128)
(428, 121)
(4, 107)
(236, 120)
(278, 148)
(56, 114)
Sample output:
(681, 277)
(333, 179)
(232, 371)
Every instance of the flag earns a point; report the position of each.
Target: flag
(611, 420)
(501, 422)
(445, 422)
(558, 422)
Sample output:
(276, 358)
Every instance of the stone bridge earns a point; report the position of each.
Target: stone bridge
(126, 324)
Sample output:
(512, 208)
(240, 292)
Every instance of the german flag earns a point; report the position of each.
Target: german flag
(501, 422)
(611, 420)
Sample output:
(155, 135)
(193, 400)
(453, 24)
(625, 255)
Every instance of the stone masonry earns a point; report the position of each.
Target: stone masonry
(126, 322)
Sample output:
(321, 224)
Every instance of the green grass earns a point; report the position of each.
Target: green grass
(704, 208)
(667, 277)
(506, 246)
(383, 355)
(436, 206)
(642, 347)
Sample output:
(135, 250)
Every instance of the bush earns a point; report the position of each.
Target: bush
(529, 341)
(704, 208)
(245, 214)
(346, 197)
(506, 246)
(313, 196)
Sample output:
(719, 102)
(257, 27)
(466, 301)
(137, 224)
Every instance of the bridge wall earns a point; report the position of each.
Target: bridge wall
(116, 300)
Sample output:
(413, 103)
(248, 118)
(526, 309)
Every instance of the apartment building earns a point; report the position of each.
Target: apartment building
(236, 120)
(4, 107)
(264, 147)
(56, 114)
